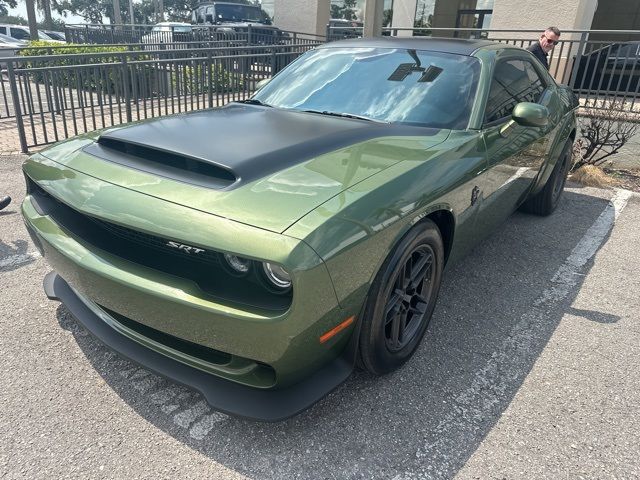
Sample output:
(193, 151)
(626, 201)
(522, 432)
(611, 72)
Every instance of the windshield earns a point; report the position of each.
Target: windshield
(423, 88)
(239, 13)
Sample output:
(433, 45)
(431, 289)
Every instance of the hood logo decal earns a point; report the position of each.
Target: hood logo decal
(185, 248)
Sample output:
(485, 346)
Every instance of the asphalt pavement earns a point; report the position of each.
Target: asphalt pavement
(529, 369)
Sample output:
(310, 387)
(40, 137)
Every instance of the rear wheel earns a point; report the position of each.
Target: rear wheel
(401, 300)
(546, 200)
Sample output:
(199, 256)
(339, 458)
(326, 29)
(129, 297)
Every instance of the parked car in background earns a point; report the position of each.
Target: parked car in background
(614, 68)
(340, 28)
(256, 252)
(235, 20)
(20, 32)
(56, 35)
(167, 32)
(9, 46)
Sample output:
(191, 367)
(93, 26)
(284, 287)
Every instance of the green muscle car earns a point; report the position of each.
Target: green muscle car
(259, 251)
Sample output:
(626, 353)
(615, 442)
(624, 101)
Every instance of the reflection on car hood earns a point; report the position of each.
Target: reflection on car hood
(256, 165)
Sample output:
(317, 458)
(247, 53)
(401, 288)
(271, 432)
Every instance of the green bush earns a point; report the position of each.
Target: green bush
(108, 78)
(42, 47)
(199, 79)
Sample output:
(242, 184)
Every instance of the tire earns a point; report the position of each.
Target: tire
(414, 268)
(546, 200)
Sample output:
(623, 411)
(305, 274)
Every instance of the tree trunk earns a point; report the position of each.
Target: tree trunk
(46, 8)
(161, 10)
(31, 17)
(117, 17)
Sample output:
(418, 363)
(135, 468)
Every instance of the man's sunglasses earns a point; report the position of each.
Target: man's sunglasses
(551, 42)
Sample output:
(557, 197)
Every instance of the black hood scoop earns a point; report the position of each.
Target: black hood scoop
(162, 162)
(236, 144)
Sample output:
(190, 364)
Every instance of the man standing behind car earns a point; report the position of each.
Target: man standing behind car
(541, 49)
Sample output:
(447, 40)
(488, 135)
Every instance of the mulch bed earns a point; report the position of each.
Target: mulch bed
(628, 179)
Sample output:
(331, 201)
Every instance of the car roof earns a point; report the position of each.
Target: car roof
(450, 45)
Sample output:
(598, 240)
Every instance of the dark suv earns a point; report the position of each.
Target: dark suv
(238, 19)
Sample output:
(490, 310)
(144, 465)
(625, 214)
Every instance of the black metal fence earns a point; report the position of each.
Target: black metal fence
(57, 96)
(196, 35)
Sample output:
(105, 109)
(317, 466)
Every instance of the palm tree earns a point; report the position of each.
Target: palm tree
(31, 17)
(45, 7)
(117, 17)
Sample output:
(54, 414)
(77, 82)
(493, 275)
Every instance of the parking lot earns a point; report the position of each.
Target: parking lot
(530, 369)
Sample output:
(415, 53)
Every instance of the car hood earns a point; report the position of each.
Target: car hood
(261, 166)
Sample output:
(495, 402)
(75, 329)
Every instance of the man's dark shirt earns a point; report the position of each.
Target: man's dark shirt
(540, 54)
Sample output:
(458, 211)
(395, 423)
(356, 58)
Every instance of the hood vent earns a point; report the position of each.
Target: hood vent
(171, 165)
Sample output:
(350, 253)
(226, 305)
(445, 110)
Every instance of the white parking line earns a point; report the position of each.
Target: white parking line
(490, 386)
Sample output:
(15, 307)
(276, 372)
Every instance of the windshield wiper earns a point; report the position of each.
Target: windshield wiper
(251, 101)
(345, 115)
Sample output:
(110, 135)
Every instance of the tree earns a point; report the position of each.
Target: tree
(31, 19)
(117, 13)
(603, 132)
(349, 9)
(387, 17)
(5, 5)
(13, 19)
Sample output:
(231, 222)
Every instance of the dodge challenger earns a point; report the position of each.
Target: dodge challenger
(260, 251)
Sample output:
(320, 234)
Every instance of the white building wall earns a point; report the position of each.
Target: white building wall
(306, 16)
(564, 14)
(404, 14)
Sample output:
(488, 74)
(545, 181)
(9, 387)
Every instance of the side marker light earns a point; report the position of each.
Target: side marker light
(337, 329)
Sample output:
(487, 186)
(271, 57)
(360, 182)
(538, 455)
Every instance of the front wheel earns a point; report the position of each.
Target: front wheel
(401, 300)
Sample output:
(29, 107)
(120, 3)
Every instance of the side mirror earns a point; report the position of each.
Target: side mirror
(529, 114)
(209, 18)
(262, 83)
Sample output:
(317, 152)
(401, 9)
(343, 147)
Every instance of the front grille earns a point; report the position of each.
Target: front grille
(261, 374)
(152, 241)
(207, 269)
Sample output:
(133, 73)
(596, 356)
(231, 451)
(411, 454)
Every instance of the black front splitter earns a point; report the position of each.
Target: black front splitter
(223, 395)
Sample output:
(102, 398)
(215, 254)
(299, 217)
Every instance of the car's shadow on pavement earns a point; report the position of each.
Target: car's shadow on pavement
(496, 312)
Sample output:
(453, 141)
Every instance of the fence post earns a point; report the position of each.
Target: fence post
(16, 107)
(328, 32)
(210, 79)
(249, 36)
(127, 90)
(576, 62)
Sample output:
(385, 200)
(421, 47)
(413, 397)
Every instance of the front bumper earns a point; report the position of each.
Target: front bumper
(226, 350)
(223, 395)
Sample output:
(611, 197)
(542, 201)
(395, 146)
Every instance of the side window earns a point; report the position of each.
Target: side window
(514, 81)
(3, 30)
(20, 34)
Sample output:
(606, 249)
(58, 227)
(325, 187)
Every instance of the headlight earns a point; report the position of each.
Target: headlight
(277, 275)
(238, 265)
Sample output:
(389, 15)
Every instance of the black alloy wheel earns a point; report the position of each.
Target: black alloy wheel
(409, 298)
(401, 300)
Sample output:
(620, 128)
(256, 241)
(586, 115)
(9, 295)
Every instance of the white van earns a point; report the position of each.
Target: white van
(20, 32)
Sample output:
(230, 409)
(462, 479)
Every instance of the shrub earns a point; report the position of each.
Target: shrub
(603, 132)
(200, 78)
(108, 78)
